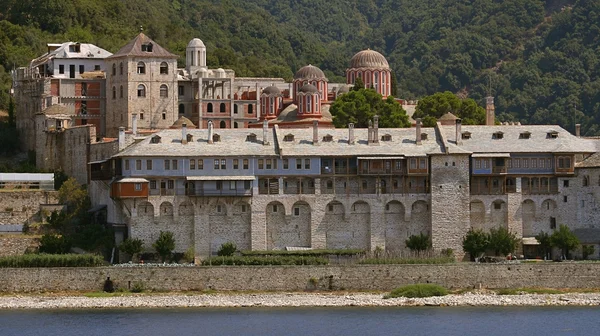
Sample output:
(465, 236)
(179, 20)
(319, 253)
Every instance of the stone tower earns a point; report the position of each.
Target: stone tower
(195, 56)
(490, 111)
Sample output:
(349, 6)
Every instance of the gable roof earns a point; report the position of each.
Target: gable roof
(134, 49)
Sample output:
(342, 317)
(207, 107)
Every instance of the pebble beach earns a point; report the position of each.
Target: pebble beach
(291, 300)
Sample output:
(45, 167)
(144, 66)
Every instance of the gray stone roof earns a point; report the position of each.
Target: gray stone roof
(370, 59)
(134, 49)
(591, 162)
(482, 139)
(310, 72)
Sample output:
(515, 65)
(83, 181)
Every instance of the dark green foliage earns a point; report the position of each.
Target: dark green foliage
(55, 244)
(433, 107)
(420, 242)
(360, 106)
(545, 246)
(164, 245)
(564, 239)
(52, 260)
(502, 241)
(258, 261)
(411, 261)
(475, 243)
(227, 249)
(131, 247)
(587, 251)
(314, 253)
(418, 291)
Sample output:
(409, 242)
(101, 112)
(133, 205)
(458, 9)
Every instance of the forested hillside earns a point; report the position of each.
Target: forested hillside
(540, 59)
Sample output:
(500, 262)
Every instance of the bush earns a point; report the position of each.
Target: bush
(587, 250)
(52, 260)
(190, 255)
(502, 241)
(227, 249)
(413, 261)
(475, 243)
(164, 245)
(419, 242)
(131, 247)
(315, 253)
(261, 261)
(418, 291)
(564, 239)
(55, 244)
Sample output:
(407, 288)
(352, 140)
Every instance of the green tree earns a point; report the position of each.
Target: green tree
(418, 243)
(227, 249)
(358, 84)
(438, 104)
(74, 196)
(475, 243)
(545, 244)
(564, 239)
(502, 241)
(132, 247)
(360, 106)
(55, 244)
(164, 245)
(586, 251)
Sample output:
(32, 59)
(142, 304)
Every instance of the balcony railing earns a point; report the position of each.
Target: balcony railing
(499, 170)
(226, 192)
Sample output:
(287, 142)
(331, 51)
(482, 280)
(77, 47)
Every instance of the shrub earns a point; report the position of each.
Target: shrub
(54, 244)
(475, 242)
(587, 250)
(137, 287)
(261, 261)
(418, 291)
(131, 247)
(414, 261)
(52, 260)
(564, 239)
(344, 252)
(545, 244)
(227, 249)
(190, 255)
(502, 241)
(164, 245)
(419, 242)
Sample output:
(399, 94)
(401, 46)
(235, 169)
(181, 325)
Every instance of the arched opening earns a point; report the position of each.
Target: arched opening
(250, 109)
(358, 227)
(235, 124)
(141, 68)
(166, 209)
(181, 109)
(477, 215)
(141, 90)
(186, 209)
(219, 226)
(145, 209)
(528, 216)
(114, 69)
(209, 107)
(121, 68)
(164, 91)
(420, 219)
(184, 234)
(222, 107)
(396, 229)
(222, 124)
(164, 68)
(235, 109)
(498, 215)
(114, 92)
(121, 91)
(275, 215)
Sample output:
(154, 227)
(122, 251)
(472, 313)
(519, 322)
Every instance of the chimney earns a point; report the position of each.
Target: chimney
(315, 132)
(134, 123)
(121, 138)
(265, 132)
(351, 134)
(184, 133)
(376, 129)
(210, 131)
(418, 138)
(490, 111)
(578, 130)
(370, 132)
(458, 132)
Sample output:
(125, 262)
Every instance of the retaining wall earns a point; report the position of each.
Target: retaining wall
(293, 278)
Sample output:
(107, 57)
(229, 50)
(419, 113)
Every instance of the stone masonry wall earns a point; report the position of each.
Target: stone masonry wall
(20, 207)
(290, 278)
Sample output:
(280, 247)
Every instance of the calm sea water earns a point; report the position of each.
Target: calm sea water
(305, 321)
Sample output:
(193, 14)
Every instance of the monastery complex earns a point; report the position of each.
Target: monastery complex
(216, 158)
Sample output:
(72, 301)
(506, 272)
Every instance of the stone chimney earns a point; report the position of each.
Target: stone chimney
(134, 123)
(490, 111)
(265, 132)
(578, 130)
(370, 132)
(210, 131)
(376, 129)
(418, 129)
(351, 134)
(315, 132)
(458, 131)
(121, 138)
(184, 133)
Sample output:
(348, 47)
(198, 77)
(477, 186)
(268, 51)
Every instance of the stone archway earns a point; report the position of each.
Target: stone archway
(528, 217)
(396, 230)
(477, 215)
(420, 219)
(333, 225)
(498, 215)
(360, 226)
(275, 214)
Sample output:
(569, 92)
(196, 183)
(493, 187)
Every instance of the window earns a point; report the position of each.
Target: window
(200, 164)
(141, 115)
(181, 90)
(164, 116)
(269, 164)
(126, 164)
(81, 69)
(296, 211)
(329, 184)
(552, 135)
(413, 163)
(155, 139)
(192, 164)
(517, 163)
(287, 166)
(498, 135)
(288, 138)
(386, 137)
(164, 68)
(121, 68)
(235, 109)
(232, 185)
(147, 47)
(223, 164)
(61, 69)
(209, 107)
(251, 137)
(477, 163)
(216, 164)
(250, 109)
(298, 164)
(97, 67)
(328, 138)
(152, 184)
(365, 185)
(114, 70)
(219, 185)
(466, 135)
(164, 91)
(422, 163)
(306, 163)
(261, 164)
(141, 90)
(534, 163)
(181, 109)
(167, 165)
(566, 183)
(222, 124)
(148, 164)
(138, 164)
(170, 184)
(222, 107)
(564, 162)
(497, 206)
(247, 185)
(525, 135)
(552, 223)
(274, 207)
(141, 68)
(542, 163)
(235, 124)
(245, 163)
(525, 163)
(121, 91)
(114, 92)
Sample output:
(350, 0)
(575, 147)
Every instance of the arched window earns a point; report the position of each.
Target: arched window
(383, 83)
(164, 91)
(222, 124)
(222, 107)
(235, 109)
(114, 70)
(250, 109)
(121, 91)
(271, 106)
(209, 108)
(181, 109)
(309, 104)
(164, 68)
(376, 80)
(263, 108)
(114, 92)
(352, 78)
(141, 90)
(235, 125)
(121, 68)
(141, 68)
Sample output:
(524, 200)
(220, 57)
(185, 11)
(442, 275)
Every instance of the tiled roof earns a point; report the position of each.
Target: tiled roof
(591, 162)
(134, 48)
(482, 140)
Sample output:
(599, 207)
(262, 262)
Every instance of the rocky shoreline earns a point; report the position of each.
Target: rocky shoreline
(293, 300)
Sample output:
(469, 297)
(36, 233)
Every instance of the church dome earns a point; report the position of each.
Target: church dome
(195, 43)
(369, 59)
(272, 91)
(309, 88)
(310, 72)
